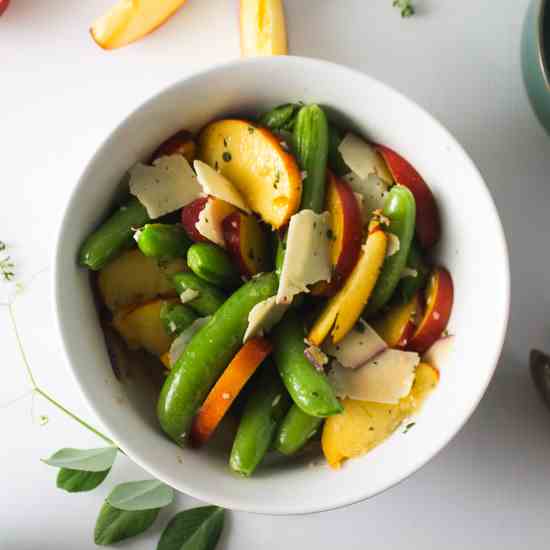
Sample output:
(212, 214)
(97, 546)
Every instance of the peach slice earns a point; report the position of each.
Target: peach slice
(439, 303)
(263, 28)
(396, 326)
(247, 243)
(344, 308)
(254, 161)
(345, 233)
(428, 226)
(130, 20)
(4, 6)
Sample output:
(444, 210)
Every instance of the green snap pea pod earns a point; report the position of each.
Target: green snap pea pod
(210, 298)
(264, 409)
(308, 387)
(280, 118)
(295, 430)
(311, 136)
(400, 209)
(113, 235)
(408, 286)
(176, 317)
(335, 160)
(280, 254)
(213, 264)
(163, 241)
(206, 356)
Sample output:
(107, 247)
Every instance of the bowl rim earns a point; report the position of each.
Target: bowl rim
(220, 499)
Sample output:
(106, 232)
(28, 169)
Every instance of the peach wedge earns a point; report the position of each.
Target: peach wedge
(344, 308)
(254, 161)
(263, 28)
(130, 20)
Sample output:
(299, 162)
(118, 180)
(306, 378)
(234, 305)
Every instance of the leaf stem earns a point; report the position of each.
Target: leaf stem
(36, 388)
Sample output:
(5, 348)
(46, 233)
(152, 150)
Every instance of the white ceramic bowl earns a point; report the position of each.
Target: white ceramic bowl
(473, 248)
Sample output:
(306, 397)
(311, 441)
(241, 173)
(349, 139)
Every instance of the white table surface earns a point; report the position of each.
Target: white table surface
(60, 95)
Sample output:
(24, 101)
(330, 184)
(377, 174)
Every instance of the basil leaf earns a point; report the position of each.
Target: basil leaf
(88, 460)
(195, 529)
(78, 481)
(141, 495)
(114, 525)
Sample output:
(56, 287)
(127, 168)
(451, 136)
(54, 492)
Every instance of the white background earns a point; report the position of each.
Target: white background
(59, 97)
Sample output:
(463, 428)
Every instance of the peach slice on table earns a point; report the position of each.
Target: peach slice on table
(130, 20)
(428, 227)
(345, 233)
(4, 6)
(263, 28)
(439, 303)
(253, 160)
(181, 143)
(397, 325)
(247, 243)
(343, 310)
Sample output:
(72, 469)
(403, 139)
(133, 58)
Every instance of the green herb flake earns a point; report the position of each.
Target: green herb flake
(226, 156)
(330, 235)
(406, 7)
(409, 426)
(224, 142)
(251, 129)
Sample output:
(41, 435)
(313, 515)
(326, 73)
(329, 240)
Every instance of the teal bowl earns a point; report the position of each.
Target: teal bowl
(535, 51)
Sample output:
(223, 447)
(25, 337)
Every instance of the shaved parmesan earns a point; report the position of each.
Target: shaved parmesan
(188, 295)
(216, 185)
(166, 186)
(180, 343)
(316, 356)
(385, 379)
(362, 159)
(394, 244)
(210, 220)
(307, 255)
(263, 317)
(358, 347)
(372, 190)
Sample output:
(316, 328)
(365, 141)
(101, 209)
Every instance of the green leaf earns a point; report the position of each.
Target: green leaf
(141, 495)
(195, 529)
(88, 460)
(78, 481)
(114, 525)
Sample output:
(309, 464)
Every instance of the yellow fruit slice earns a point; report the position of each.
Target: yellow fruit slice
(263, 28)
(345, 307)
(130, 20)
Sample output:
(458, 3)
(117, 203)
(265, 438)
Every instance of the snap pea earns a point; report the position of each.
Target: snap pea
(210, 298)
(113, 235)
(408, 286)
(335, 160)
(264, 409)
(295, 430)
(281, 117)
(163, 241)
(400, 209)
(176, 317)
(308, 387)
(311, 136)
(211, 263)
(206, 356)
(280, 254)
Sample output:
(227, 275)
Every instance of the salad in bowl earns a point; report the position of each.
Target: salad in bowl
(277, 271)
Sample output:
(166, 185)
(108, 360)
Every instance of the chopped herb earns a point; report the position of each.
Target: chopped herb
(226, 156)
(371, 429)
(406, 7)
(359, 327)
(409, 426)
(277, 177)
(251, 129)
(224, 142)
(275, 186)
(330, 235)
(216, 165)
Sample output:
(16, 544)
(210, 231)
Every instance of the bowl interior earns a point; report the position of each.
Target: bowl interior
(472, 247)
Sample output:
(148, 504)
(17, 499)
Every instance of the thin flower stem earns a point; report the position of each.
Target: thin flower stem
(40, 391)
(74, 416)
